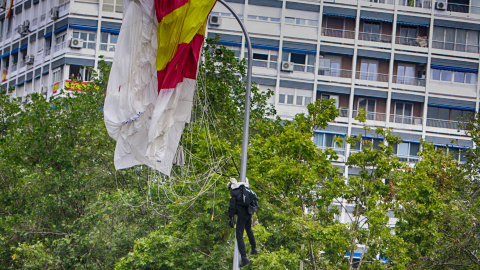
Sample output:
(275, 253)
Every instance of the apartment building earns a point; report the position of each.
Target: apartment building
(411, 65)
(47, 45)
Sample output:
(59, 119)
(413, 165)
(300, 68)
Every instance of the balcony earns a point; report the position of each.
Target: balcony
(375, 37)
(408, 120)
(426, 4)
(450, 124)
(411, 159)
(342, 73)
(60, 46)
(453, 46)
(371, 76)
(404, 80)
(338, 33)
(374, 116)
(420, 41)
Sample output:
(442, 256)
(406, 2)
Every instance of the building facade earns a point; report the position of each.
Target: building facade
(412, 65)
(47, 45)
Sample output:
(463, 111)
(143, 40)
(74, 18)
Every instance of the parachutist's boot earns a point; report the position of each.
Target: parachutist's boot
(254, 251)
(244, 261)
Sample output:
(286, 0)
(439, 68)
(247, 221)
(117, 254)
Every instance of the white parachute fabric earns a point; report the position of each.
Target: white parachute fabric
(146, 125)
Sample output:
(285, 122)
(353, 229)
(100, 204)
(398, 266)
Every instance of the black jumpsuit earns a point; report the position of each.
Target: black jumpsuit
(244, 220)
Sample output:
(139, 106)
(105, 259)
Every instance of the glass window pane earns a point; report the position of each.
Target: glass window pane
(308, 100)
(253, 17)
(458, 77)
(362, 103)
(260, 56)
(301, 21)
(318, 140)
(113, 38)
(297, 58)
(471, 78)
(329, 140)
(104, 37)
(83, 36)
(299, 100)
(281, 98)
(289, 20)
(446, 75)
(414, 149)
(403, 149)
(290, 99)
(443, 113)
(432, 112)
(455, 114)
(435, 74)
(408, 109)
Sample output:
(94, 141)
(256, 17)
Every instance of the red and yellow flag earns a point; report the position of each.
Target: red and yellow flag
(153, 78)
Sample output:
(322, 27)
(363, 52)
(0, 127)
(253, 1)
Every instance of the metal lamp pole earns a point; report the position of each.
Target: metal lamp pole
(246, 118)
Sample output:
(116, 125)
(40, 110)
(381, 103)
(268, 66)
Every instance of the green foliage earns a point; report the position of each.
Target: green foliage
(63, 206)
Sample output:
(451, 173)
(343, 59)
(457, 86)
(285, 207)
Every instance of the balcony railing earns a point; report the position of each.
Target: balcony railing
(374, 116)
(371, 76)
(388, 2)
(60, 46)
(408, 80)
(264, 63)
(343, 112)
(342, 73)
(440, 123)
(420, 41)
(339, 33)
(402, 119)
(377, 37)
(453, 46)
(411, 159)
(427, 4)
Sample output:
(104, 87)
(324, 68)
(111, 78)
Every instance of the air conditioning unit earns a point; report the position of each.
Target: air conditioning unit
(29, 59)
(215, 20)
(76, 43)
(21, 29)
(3, 4)
(54, 13)
(287, 66)
(441, 5)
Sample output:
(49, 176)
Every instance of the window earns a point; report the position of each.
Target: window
(408, 35)
(458, 153)
(108, 41)
(328, 96)
(407, 151)
(87, 37)
(60, 42)
(453, 76)
(330, 65)
(369, 105)
(455, 39)
(301, 62)
(367, 142)
(405, 74)
(57, 75)
(294, 97)
(301, 21)
(371, 31)
(48, 45)
(368, 70)
(263, 18)
(264, 58)
(403, 113)
(14, 60)
(9, 26)
(448, 113)
(327, 140)
(112, 6)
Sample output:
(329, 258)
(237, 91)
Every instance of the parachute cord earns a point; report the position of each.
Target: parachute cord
(214, 192)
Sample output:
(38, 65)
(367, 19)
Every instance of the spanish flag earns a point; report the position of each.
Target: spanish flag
(153, 79)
